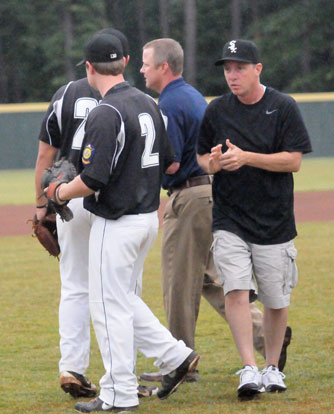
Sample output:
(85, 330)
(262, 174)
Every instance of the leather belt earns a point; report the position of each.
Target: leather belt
(192, 182)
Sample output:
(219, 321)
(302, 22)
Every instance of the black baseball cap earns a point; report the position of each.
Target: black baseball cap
(102, 47)
(240, 51)
(121, 36)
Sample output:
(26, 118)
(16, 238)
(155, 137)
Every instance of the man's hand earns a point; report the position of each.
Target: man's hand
(41, 212)
(214, 160)
(52, 179)
(52, 193)
(233, 159)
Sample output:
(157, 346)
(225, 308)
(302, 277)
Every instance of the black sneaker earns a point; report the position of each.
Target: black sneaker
(192, 376)
(98, 405)
(174, 379)
(144, 391)
(286, 343)
(76, 384)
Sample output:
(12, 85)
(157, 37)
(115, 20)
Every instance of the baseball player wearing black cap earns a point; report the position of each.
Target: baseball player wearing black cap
(253, 139)
(61, 135)
(126, 149)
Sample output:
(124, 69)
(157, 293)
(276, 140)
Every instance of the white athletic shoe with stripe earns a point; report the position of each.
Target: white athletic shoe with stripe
(272, 379)
(250, 381)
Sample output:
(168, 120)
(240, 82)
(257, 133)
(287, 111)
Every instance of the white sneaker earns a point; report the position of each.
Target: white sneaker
(250, 381)
(272, 379)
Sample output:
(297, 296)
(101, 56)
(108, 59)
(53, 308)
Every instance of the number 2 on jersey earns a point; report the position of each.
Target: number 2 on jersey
(148, 159)
(82, 108)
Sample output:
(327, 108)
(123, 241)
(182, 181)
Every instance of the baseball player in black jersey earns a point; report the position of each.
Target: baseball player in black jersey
(125, 151)
(61, 135)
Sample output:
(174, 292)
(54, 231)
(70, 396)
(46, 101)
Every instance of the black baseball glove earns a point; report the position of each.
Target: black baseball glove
(62, 171)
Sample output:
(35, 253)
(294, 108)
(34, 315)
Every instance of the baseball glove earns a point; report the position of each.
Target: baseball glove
(46, 232)
(62, 171)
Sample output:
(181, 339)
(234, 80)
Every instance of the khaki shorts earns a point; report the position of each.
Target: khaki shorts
(269, 272)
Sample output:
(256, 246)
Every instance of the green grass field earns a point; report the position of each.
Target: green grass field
(316, 174)
(29, 351)
(29, 337)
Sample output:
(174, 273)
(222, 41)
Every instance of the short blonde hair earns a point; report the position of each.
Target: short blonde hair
(167, 50)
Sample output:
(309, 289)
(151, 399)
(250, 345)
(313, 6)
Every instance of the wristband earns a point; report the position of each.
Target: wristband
(58, 199)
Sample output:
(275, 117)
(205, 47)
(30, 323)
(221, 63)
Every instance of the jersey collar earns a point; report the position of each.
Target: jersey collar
(117, 87)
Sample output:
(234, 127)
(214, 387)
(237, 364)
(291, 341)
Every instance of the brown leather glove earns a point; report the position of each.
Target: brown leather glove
(45, 230)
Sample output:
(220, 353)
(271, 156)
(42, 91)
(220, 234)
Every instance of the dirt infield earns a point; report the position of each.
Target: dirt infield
(315, 206)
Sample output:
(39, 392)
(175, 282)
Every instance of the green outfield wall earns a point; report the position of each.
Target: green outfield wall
(20, 124)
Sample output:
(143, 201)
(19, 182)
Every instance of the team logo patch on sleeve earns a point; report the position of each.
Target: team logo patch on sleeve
(88, 154)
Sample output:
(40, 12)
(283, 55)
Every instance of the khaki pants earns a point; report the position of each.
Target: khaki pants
(188, 271)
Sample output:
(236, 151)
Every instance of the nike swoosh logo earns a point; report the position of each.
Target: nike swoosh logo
(270, 112)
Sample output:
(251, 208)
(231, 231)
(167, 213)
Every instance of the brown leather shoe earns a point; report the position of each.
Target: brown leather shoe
(76, 384)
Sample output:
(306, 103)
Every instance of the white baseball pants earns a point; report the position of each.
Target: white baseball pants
(74, 317)
(121, 320)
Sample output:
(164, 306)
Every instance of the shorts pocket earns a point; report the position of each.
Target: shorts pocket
(215, 256)
(290, 269)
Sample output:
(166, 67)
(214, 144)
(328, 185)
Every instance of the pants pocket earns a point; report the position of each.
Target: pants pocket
(290, 269)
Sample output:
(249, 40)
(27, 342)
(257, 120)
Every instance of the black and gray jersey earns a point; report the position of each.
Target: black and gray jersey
(126, 149)
(63, 126)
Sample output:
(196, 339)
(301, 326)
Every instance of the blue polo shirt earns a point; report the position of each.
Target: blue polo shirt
(184, 108)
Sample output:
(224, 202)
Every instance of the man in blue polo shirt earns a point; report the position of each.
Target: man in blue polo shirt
(187, 266)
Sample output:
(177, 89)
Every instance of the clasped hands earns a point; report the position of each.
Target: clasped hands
(231, 160)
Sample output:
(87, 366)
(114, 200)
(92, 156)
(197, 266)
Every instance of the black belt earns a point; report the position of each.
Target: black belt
(191, 182)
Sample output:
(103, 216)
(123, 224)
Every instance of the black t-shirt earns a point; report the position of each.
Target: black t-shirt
(251, 202)
(125, 152)
(63, 126)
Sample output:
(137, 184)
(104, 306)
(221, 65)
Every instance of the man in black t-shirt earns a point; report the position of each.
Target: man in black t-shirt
(253, 139)
(125, 152)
